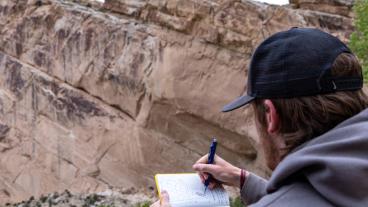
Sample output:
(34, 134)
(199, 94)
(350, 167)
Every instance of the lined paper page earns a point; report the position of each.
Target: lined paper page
(187, 190)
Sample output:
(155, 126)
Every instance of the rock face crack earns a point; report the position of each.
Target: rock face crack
(75, 104)
(4, 129)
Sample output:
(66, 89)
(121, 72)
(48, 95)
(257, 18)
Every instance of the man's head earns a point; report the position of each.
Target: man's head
(284, 124)
(302, 83)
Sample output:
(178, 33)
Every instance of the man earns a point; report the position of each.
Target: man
(305, 87)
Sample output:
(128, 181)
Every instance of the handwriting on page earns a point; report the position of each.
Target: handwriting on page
(201, 194)
(187, 188)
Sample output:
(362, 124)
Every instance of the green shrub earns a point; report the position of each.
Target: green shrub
(359, 38)
(236, 202)
(143, 204)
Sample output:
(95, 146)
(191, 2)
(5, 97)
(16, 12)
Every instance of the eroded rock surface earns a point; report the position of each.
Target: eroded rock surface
(94, 95)
(338, 7)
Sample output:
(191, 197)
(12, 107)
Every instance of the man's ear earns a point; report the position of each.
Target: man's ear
(272, 117)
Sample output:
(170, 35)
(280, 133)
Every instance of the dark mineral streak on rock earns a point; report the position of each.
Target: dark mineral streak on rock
(14, 77)
(4, 129)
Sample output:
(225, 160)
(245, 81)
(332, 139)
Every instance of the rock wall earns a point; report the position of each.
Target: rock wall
(96, 95)
(339, 7)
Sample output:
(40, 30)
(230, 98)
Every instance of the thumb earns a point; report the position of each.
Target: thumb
(164, 199)
(208, 168)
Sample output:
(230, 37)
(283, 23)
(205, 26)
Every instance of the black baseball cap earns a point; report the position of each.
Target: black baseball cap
(295, 63)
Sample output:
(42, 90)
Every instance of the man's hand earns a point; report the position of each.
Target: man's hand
(221, 170)
(163, 202)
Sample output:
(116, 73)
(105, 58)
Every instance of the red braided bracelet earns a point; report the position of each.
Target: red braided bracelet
(242, 178)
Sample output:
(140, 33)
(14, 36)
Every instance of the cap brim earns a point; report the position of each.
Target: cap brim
(237, 103)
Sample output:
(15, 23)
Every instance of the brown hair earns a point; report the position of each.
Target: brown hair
(304, 118)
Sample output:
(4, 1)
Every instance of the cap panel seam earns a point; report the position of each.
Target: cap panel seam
(284, 66)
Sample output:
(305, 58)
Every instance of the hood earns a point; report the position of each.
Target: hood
(335, 163)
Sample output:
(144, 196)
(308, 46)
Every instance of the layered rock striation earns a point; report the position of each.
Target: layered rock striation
(337, 7)
(96, 95)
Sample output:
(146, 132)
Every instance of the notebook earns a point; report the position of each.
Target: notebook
(187, 190)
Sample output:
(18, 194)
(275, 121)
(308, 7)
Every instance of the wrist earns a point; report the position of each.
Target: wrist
(243, 177)
(236, 176)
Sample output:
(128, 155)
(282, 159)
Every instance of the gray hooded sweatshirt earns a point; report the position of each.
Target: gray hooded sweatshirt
(329, 170)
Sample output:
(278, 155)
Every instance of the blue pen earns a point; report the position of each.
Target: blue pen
(211, 159)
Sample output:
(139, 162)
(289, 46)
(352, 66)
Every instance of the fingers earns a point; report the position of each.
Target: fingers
(165, 197)
(212, 185)
(208, 168)
(202, 176)
(165, 200)
(156, 204)
(213, 182)
(203, 160)
(203, 170)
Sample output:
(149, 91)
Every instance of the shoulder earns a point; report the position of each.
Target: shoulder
(296, 194)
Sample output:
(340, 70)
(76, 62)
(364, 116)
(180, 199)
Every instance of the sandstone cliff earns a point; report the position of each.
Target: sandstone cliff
(96, 95)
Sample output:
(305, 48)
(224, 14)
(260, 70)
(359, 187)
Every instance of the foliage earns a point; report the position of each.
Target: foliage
(143, 204)
(236, 202)
(359, 38)
(90, 200)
